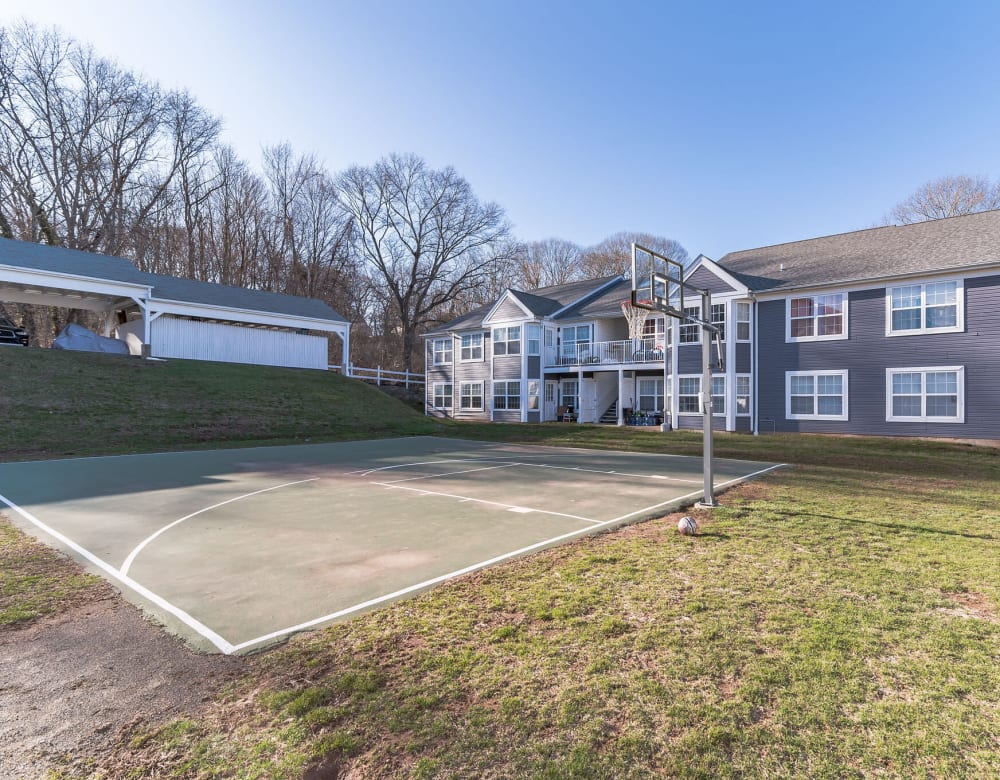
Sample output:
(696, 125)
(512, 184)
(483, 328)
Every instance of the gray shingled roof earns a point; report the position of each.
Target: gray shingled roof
(536, 304)
(24, 254)
(606, 304)
(897, 250)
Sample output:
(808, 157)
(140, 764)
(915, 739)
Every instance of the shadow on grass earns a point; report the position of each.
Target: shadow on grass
(898, 527)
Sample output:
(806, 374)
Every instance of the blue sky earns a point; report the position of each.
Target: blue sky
(723, 125)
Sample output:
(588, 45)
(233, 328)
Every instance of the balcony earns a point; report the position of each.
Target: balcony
(627, 352)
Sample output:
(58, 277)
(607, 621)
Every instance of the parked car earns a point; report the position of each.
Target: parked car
(12, 334)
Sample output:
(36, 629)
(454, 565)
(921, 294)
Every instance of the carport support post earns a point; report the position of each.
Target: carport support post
(706, 398)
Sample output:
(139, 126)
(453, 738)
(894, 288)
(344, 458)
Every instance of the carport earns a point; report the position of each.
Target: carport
(170, 317)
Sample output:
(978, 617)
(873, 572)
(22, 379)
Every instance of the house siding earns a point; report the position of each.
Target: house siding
(868, 352)
(507, 367)
(456, 372)
(705, 279)
(508, 311)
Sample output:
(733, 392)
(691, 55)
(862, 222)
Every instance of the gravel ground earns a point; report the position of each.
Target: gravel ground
(71, 683)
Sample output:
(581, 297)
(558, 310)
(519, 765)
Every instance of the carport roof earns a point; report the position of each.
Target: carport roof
(73, 262)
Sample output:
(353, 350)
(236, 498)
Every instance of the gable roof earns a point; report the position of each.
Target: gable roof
(608, 303)
(897, 250)
(58, 260)
(542, 302)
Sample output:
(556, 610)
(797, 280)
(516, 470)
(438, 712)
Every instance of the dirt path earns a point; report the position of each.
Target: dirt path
(70, 683)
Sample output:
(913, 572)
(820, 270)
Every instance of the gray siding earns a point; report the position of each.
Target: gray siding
(507, 367)
(707, 280)
(456, 372)
(744, 357)
(507, 415)
(868, 352)
(507, 311)
(694, 422)
(534, 367)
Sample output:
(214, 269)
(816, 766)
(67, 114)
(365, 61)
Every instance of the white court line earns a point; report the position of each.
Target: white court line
(161, 602)
(696, 493)
(483, 501)
(474, 567)
(616, 473)
(451, 473)
(366, 472)
(131, 556)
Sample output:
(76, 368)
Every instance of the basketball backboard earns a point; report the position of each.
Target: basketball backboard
(657, 282)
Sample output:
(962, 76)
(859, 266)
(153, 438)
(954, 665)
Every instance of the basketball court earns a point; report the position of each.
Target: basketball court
(237, 549)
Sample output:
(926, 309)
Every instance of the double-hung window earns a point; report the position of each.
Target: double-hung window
(719, 319)
(816, 395)
(575, 343)
(689, 395)
(718, 395)
(443, 396)
(472, 346)
(743, 321)
(654, 332)
(743, 394)
(690, 333)
(925, 394)
(443, 351)
(817, 317)
(934, 307)
(470, 396)
(533, 332)
(650, 395)
(507, 395)
(507, 341)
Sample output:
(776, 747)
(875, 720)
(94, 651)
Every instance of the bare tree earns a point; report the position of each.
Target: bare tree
(614, 254)
(949, 196)
(546, 263)
(424, 237)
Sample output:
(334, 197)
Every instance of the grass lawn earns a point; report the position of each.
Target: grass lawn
(833, 620)
(838, 619)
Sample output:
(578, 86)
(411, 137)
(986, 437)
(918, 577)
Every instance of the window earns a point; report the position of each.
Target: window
(690, 333)
(743, 394)
(817, 317)
(654, 332)
(816, 395)
(507, 341)
(718, 395)
(472, 346)
(925, 394)
(470, 396)
(935, 307)
(533, 394)
(443, 395)
(442, 351)
(689, 395)
(534, 335)
(575, 339)
(719, 318)
(650, 395)
(571, 394)
(742, 321)
(507, 395)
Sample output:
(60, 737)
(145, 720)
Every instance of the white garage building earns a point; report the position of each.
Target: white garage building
(170, 317)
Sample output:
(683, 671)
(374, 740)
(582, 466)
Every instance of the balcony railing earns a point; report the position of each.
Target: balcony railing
(606, 352)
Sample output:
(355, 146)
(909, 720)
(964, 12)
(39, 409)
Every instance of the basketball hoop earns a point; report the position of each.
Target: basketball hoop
(636, 318)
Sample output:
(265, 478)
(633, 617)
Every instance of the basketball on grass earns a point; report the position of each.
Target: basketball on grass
(687, 526)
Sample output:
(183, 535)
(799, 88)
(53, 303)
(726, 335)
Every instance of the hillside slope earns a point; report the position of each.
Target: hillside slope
(58, 404)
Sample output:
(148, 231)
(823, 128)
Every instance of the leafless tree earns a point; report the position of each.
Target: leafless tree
(547, 262)
(949, 196)
(614, 254)
(424, 237)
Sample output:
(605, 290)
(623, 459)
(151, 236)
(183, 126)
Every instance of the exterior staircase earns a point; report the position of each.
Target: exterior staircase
(610, 416)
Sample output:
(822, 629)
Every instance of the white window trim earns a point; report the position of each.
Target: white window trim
(790, 339)
(481, 395)
(434, 351)
(748, 321)
(506, 340)
(434, 388)
(508, 395)
(959, 370)
(482, 347)
(749, 395)
(725, 394)
(958, 327)
(819, 372)
(685, 324)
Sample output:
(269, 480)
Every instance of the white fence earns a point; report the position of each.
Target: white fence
(645, 350)
(382, 376)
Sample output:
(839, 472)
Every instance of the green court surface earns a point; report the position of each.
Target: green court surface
(236, 549)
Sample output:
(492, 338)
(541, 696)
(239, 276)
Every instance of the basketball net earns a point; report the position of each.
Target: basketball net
(636, 319)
